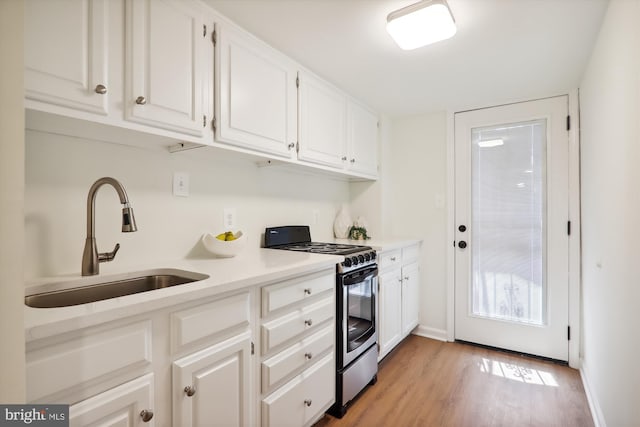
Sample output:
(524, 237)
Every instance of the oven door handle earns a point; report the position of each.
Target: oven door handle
(359, 276)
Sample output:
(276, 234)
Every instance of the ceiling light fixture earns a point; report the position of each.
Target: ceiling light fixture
(420, 24)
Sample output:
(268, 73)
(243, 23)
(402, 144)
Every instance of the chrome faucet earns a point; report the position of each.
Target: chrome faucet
(91, 259)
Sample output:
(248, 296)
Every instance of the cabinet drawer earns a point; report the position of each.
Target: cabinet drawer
(303, 398)
(296, 357)
(283, 328)
(209, 319)
(290, 292)
(410, 254)
(390, 259)
(88, 358)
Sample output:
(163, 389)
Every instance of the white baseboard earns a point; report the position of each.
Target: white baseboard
(436, 334)
(594, 406)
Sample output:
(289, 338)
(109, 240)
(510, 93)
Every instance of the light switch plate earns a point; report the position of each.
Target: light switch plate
(181, 184)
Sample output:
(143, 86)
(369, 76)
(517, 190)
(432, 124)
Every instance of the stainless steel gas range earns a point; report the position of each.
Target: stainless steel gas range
(356, 287)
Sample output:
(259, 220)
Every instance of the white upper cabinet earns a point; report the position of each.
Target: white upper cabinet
(256, 96)
(66, 53)
(362, 139)
(322, 122)
(165, 42)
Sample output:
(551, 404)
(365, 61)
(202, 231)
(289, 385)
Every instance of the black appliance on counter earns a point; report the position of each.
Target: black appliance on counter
(356, 288)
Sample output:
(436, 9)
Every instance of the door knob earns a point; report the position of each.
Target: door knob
(190, 391)
(462, 244)
(101, 89)
(141, 100)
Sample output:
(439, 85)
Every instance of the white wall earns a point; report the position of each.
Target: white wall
(610, 155)
(12, 363)
(416, 199)
(60, 170)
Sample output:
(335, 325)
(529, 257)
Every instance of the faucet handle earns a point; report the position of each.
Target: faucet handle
(109, 256)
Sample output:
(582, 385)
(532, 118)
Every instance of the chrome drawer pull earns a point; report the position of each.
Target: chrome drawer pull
(308, 322)
(308, 356)
(190, 391)
(307, 291)
(307, 402)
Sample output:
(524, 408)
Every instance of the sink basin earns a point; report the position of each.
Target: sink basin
(102, 288)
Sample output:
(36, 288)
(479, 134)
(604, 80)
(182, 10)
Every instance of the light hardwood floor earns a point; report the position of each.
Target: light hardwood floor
(427, 383)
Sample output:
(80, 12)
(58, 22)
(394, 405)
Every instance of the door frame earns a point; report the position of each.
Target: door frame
(575, 298)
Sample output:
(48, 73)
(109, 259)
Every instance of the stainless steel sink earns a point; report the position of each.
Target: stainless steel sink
(111, 287)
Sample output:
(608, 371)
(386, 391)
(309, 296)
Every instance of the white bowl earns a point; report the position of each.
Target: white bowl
(224, 248)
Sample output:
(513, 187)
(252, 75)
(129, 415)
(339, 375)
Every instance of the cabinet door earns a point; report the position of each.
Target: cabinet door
(218, 378)
(65, 53)
(121, 406)
(322, 115)
(256, 96)
(390, 310)
(363, 139)
(410, 297)
(164, 74)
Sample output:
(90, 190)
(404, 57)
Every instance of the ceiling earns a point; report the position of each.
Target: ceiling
(503, 51)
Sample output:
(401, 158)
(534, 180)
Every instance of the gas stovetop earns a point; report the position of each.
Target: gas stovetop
(298, 238)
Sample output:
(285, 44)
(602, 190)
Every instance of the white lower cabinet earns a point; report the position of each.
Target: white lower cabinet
(195, 364)
(390, 310)
(302, 399)
(298, 345)
(130, 404)
(398, 296)
(212, 386)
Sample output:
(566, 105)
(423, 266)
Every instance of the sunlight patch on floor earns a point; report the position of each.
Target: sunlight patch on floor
(518, 373)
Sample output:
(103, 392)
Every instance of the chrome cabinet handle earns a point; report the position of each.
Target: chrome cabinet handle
(290, 146)
(307, 291)
(141, 100)
(146, 415)
(190, 391)
(353, 160)
(308, 322)
(406, 277)
(308, 356)
(344, 158)
(101, 89)
(308, 402)
(392, 258)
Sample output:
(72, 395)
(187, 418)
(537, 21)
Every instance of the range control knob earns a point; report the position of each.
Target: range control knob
(361, 258)
(367, 257)
(354, 260)
(373, 256)
(347, 262)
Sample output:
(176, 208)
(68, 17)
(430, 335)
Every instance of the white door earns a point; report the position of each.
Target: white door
(322, 122)
(257, 96)
(164, 76)
(66, 53)
(212, 385)
(362, 139)
(511, 217)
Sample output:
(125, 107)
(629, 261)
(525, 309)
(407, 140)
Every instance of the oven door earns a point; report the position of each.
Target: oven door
(358, 312)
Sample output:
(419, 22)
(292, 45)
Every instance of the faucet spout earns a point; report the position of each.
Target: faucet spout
(91, 259)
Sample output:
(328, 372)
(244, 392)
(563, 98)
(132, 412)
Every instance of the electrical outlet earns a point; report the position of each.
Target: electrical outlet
(181, 184)
(229, 219)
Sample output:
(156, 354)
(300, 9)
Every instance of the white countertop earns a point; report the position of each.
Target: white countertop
(381, 245)
(250, 268)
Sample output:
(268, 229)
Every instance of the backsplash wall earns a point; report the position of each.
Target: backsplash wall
(60, 170)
